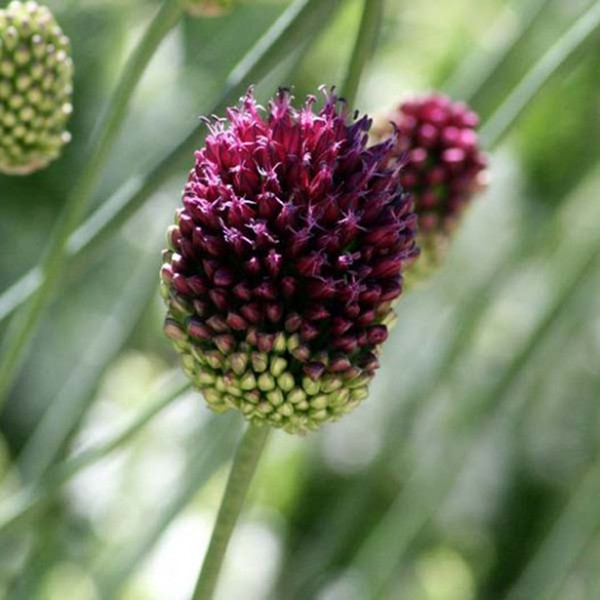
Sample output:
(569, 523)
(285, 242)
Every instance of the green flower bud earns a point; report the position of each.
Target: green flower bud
(239, 362)
(319, 401)
(266, 382)
(275, 397)
(296, 396)
(260, 361)
(36, 81)
(278, 366)
(248, 382)
(286, 382)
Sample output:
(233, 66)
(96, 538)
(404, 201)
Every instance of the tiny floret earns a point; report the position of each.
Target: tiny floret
(284, 261)
(36, 73)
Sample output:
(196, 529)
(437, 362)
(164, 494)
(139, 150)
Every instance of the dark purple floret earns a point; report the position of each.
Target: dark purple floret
(285, 259)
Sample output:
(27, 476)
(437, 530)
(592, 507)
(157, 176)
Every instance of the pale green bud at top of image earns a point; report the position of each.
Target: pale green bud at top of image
(36, 84)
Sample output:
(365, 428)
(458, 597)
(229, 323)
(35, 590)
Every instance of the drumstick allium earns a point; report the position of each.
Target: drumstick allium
(443, 166)
(208, 8)
(284, 261)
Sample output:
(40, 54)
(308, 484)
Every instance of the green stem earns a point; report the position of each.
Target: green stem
(207, 449)
(23, 326)
(363, 47)
(254, 439)
(301, 19)
(242, 470)
(500, 122)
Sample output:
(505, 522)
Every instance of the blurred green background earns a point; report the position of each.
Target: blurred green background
(472, 471)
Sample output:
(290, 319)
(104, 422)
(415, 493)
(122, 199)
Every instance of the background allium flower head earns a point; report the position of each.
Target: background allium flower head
(208, 8)
(443, 166)
(284, 261)
(36, 74)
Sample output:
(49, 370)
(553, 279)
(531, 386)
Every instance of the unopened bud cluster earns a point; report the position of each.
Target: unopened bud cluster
(443, 166)
(284, 262)
(208, 8)
(36, 73)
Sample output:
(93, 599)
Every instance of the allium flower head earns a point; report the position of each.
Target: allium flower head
(208, 8)
(443, 164)
(36, 74)
(284, 262)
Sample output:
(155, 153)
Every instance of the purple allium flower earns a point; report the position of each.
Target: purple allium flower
(285, 260)
(443, 165)
(208, 8)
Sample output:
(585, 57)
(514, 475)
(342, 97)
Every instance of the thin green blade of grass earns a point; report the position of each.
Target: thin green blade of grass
(499, 124)
(71, 401)
(19, 506)
(368, 31)
(566, 542)
(474, 74)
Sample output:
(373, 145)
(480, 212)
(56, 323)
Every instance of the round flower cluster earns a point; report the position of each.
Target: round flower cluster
(285, 260)
(36, 74)
(208, 8)
(443, 164)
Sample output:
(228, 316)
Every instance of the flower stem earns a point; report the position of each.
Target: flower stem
(23, 326)
(244, 465)
(363, 47)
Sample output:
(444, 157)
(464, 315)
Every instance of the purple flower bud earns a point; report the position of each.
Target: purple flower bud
(274, 312)
(225, 343)
(252, 312)
(377, 335)
(308, 331)
(285, 255)
(236, 322)
(314, 370)
(198, 330)
(242, 291)
(217, 323)
(293, 322)
(265, 341)
(224, 277)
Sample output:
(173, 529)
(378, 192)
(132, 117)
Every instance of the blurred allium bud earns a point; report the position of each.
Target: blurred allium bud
(443, 166)
(208, 8)
(284, 262)
(36, 73)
